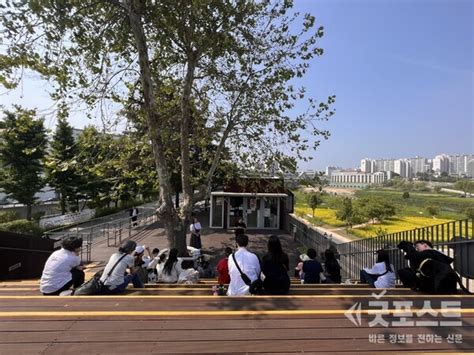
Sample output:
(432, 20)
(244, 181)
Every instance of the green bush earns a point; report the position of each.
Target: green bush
(105, 211)
(37, 215)
(8, 216)
(22, 226)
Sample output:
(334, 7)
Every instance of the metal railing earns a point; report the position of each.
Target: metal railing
(114, 231)
(454, 239)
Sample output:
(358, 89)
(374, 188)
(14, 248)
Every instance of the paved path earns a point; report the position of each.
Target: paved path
(214, 241)
(336, 237)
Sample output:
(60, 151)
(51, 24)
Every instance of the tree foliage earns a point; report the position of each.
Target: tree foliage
(115, 168)
(432, 210)
(375, 209)
(62, 170)
(345, 211)
(314, 200)
(465, 186)
(22, 149)
(236, 62)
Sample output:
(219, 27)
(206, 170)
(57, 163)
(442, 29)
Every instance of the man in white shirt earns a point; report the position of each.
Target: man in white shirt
(63, 268)
(248, 263)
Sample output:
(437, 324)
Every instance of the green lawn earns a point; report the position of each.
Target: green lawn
(450, 207)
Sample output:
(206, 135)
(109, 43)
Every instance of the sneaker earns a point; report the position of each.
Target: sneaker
(66, 293)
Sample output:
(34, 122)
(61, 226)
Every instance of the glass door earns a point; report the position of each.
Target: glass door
(236, 210)
(217, 212)
(270, 213)
(252, 207)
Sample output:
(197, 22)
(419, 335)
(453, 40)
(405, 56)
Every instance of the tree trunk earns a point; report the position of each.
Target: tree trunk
(187, 206)
(173, 223)
(28, 211)
(63, 202)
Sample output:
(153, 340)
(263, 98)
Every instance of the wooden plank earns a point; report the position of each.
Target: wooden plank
(257, 333)
(25, 325)
(252, 346)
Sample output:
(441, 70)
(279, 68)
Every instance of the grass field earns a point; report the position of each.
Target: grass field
(451, 207)
(411, 212)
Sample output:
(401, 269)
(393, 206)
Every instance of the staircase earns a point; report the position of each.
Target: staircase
(189, 319)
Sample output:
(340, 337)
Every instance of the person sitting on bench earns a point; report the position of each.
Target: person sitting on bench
(63, 268)
(382, 274)
(119, 262)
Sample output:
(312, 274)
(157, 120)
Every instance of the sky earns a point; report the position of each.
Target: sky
(403, 75)
(402, 72)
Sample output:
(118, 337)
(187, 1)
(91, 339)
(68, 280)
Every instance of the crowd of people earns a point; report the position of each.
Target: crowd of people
(243, 271)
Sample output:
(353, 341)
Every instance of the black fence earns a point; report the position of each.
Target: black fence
(454, 239)
(113, 231)
(23, 256)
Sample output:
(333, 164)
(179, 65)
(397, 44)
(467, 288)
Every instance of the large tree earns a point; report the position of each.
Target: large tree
(237, 61)
(22, 149)
(62, 172)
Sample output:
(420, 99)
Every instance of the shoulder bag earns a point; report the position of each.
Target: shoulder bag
(95, 286)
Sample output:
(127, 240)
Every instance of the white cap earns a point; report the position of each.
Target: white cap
(139, 249)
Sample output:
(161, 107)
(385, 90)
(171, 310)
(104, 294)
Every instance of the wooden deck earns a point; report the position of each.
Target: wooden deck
(188, 319)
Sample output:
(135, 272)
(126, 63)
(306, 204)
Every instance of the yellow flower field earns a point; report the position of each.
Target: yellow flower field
(325, 215)
(397, 224)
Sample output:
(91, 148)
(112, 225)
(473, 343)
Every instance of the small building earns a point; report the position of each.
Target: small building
(263, 203)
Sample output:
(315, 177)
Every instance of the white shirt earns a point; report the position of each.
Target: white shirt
(385, 281)
(151, 263)
(249, 265)
(195, 228)
(118, 274)
(173, 276)
(57, 270)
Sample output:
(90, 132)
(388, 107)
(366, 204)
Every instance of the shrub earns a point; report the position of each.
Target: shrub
(8, 216)
(22, 226)
(432, 210)
(37, 215)
(406, 195)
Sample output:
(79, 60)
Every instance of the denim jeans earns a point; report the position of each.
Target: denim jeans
(121, 288)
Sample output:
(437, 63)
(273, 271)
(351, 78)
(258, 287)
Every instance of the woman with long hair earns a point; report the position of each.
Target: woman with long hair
(169, 271)
(382, 274)
(275, 266)
(332, 269)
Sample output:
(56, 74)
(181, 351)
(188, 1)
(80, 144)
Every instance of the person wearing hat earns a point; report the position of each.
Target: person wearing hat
(118, 280)
(63, 268)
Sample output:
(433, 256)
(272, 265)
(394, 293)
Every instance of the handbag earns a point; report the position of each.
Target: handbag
(95, 286)
(255, 287)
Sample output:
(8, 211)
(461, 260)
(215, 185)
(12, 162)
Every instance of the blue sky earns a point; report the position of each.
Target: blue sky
(402, 71)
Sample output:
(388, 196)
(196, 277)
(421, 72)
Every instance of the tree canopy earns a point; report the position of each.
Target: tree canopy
(237, 63)
(22, 149)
